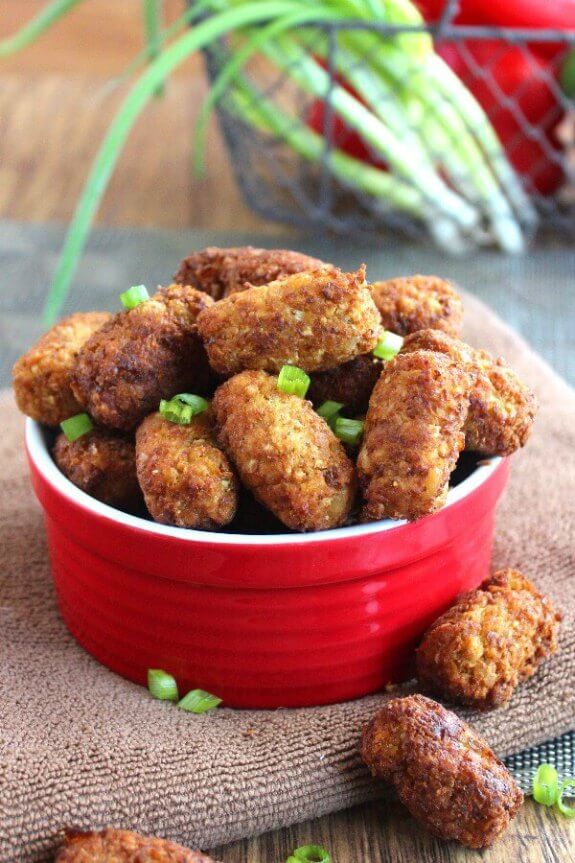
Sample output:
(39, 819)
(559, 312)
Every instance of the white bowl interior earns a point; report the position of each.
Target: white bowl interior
(36, 440)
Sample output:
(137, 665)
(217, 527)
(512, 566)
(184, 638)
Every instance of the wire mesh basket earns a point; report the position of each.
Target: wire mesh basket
(513, 74)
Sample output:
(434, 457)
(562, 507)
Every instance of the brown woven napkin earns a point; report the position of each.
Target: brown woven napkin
(81, 747)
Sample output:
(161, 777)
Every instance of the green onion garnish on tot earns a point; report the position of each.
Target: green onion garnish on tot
(76, 426)
(134, 296)
(199, 701)
(181, 408)
(293, 381)
(162, 685)
(349, 431)
(388, 346)
(309, 854)
(329, 411)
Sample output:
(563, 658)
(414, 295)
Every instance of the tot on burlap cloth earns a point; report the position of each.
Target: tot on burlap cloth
(82, 747)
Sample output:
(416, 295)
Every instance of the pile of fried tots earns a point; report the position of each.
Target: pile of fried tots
(224, 330)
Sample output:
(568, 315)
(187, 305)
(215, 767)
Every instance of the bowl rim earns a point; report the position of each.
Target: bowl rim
(41, 458)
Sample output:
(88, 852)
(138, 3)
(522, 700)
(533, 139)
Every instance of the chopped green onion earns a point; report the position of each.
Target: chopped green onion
(293, 381)
(329, 411)
(199, 701)
(545, 785)
(181, 408)
(162, 685)
(76, 426)
(567, 811)
(309, 854)
(388, 346)
(134, 296)
(349, 431)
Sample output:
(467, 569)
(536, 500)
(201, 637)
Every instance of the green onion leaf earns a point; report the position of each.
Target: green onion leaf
(181, 408)
(46, 17)
(199, 701)
(329, 411)
(309, 854)
(388, 346)
(76, 426)
(293, 381)
(134, 296)
(162, 685)
(567, 811)
(349, 431)
(546, 785)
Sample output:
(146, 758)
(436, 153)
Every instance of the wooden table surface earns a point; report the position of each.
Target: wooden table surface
(55, 102)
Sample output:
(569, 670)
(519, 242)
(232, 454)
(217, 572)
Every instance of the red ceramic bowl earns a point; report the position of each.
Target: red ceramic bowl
(262, 621)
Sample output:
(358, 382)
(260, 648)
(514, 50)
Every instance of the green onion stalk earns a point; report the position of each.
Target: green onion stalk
(444, 164)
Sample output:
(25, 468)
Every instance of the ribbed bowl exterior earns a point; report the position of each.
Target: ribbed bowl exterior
(262, 625)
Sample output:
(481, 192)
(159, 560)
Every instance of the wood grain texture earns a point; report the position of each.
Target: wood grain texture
(55, 104)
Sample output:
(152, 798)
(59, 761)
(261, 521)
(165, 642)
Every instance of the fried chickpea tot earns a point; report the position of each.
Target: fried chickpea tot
(41, 377)
(443, 772)
(413, 436)
(221, 272)
(141, 356)
(123, 846)
(315, 320)
(101, 463)
(286, 455)
(490, 640)
(418, 303)
(186, 479)
(351, 384)
(502, 408)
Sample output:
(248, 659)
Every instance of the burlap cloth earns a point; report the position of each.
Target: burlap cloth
(80, 746)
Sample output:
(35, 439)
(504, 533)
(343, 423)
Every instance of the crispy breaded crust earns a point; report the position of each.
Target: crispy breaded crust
(141, 356)
(350, 384)
(285, 453)
(123, 846)
(413, 436)
(315, 320)
(490, 640)
(221, 272)
(443, 771)
(41, 377)
(101, 463)
(186, 478)
(417, 303)
(502, 408)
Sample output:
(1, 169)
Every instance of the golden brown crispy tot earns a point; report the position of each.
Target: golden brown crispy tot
(186, 478)
(141, 356)
(418, 302)
(123, 846)
(101, 463)
(286, 454)
(41, 377)
(221, 272)
(502, 408)
(351, 384)
(315, 320)
(413, 436)
(490, 640)
(443, 771)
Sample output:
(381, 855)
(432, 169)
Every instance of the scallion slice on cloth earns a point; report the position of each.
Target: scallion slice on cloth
(293, 381)
(309, 854)
(349, 431)
(388, 346)
(329, 411)
(199, 701)
(546, 785)
(134, 296)
(564, 809)
(162, 685)
(76, 426)
(181, 408)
